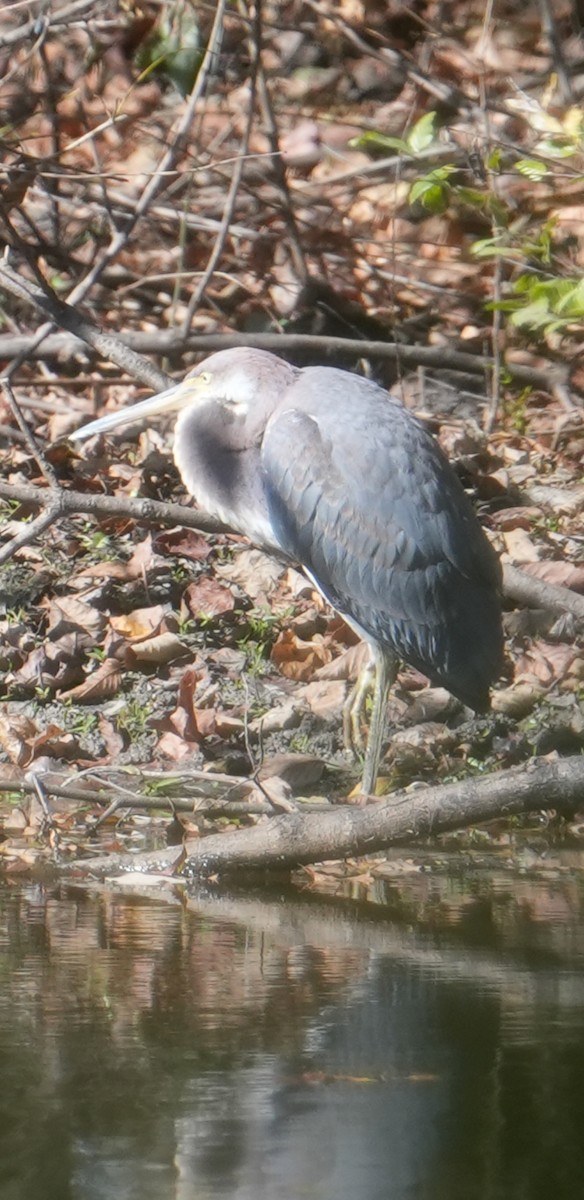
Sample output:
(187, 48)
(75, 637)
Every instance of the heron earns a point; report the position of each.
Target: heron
(330, 472)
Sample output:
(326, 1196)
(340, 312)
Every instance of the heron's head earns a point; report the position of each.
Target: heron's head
(243, 381)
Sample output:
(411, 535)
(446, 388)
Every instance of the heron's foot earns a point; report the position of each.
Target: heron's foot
(354, 707)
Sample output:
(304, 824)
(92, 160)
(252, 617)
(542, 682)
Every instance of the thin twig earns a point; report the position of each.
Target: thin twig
(69, 318)
(31, 531)
(60, 18)
(120, 238)
(296, 838)
(206, 806)
(167, 164)
(231, 198)
(491, 411)
(555, 40)
(279, 173)
(30, 440)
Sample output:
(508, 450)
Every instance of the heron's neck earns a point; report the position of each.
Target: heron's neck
(222, 472)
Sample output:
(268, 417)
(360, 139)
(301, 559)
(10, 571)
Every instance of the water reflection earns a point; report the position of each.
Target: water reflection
(238, 1047)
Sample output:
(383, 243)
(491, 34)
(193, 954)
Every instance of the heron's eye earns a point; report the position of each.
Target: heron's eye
(205, 377)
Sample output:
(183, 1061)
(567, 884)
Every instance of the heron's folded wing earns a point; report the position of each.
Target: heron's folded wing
(376, 515)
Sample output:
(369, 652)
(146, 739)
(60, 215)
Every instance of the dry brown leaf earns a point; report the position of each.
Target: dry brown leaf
(100, 685)
(15, 821)
(113, 739)
(16, 736)
(297, 770)
(173, 746)
(163, 648)
(255, 573)
(208, 598)
(432, 734)
(325, 700)
(141, 558)
(230, 659)
(67, 612)
(282, 716)
(279, 793)
(548, 662)
(11, 774)
(206, 722)
(519, 546)
(297, 659)
(561, 499)
(104, 570)
(297, 585)
(347, 665)
(430, 704)
(53, 665)
(124, 572)
(185, 718)
(520, 517)
(55, 743)
(518, 700)
(140, 624)
(185, 543)
(226, 725)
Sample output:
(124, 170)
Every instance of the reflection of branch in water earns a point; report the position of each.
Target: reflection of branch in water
(336, 925)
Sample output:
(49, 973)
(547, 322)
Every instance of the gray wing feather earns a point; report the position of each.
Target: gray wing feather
(367, 502)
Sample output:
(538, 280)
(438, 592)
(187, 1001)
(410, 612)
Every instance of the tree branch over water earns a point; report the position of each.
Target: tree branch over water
(292, 840)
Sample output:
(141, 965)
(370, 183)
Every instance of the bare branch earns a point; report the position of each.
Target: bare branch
(536, 593)
(151, 512)
(294, 839)
(171, 341)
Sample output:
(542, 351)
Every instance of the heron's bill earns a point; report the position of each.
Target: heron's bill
(170, 400)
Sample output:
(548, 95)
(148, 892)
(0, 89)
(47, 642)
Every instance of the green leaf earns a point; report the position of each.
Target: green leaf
(489, 248)
(502, 306)
(440, 173)
(572, 304)
(532, 168)
(532, 316)
(556, 148)
(372, 140)
(173, 49)
(494, 159)
(524, 284)
(472, 197)
(423, 134)
(435, 198)
(182, 69)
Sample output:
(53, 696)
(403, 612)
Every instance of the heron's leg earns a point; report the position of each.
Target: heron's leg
(386, 665)
(353, 708)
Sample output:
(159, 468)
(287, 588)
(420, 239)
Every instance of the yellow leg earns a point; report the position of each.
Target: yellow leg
(385, 665)
(354, 706)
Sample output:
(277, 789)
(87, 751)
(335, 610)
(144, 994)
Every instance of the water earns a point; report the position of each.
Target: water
(273, 1047)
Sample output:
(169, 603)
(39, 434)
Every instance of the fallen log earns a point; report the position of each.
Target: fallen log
(295, 839)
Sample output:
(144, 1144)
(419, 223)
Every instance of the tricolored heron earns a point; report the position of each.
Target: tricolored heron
(327, 470)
